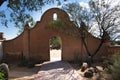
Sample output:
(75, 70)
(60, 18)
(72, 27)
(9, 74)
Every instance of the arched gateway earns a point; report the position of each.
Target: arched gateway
(34, 43)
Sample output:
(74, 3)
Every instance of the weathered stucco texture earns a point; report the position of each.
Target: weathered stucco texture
(34, 43)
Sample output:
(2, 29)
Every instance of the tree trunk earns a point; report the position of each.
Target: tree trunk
(91, 56)
(98, 48)
(83, 40)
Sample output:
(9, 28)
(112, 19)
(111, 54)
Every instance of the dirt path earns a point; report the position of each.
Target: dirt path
(54, 70)
(58, 70)
(22, 73)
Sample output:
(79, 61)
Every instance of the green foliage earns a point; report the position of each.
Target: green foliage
(2, 76)
(100, 14)
(113, 66)
(20, 11)
(55, 25)
(106, 17)
(115, 42)
(55, 43)
(78, 13)
(3, 72)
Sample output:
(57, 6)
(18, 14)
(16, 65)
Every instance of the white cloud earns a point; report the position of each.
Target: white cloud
(83, 4)
(113, 3)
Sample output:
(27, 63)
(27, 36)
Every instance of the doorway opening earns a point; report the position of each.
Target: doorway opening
(1, 51)
(55, 47)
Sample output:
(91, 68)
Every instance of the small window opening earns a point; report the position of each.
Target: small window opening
(55, 16)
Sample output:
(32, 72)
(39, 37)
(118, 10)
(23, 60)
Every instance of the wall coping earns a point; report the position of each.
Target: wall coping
(114, 46)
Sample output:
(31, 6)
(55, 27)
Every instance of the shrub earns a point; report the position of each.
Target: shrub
(113, 66)
(115, 42)
(56, 25)
(4, 71)
(55, 43)
(2, 76)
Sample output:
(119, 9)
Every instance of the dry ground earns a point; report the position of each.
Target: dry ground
(24, 73)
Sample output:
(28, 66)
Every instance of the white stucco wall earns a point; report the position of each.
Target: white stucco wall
(1, 51)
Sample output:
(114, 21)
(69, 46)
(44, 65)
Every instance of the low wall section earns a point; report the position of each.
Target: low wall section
(114, 49)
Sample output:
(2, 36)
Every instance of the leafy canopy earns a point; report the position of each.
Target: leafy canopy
(101, 17)
(19, 12)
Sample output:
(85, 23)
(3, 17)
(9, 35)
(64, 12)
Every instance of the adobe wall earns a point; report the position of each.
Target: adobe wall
(13, 49)
(41, 36)
(114, 49)
(93, 44)
(34, 43)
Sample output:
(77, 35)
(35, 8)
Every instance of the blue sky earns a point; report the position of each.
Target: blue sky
(11, 32)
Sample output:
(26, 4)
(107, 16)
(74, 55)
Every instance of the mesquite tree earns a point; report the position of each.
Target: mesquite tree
(102, 14)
